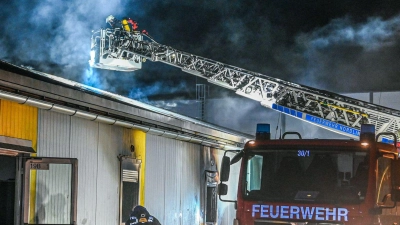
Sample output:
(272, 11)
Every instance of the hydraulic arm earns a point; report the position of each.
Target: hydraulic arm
(117, 49)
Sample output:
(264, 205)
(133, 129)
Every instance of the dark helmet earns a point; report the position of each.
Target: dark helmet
(140, 211)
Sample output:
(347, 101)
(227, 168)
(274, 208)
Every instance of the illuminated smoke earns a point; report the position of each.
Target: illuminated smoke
(142, 93)
(53, 36)
(344, 56)
(167, 104)
(372, 35)
(341, 56)
(92, 78)
(70, 23)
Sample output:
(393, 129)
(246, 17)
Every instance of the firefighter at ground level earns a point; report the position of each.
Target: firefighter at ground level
(141, 216)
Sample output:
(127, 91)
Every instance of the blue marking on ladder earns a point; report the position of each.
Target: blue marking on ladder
(317, 120)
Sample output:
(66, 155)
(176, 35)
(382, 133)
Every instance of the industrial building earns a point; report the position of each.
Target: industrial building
(73, 154)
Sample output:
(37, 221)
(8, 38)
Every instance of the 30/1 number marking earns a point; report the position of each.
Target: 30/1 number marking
(303, 153)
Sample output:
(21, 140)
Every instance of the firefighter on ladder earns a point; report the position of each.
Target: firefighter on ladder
(127, 24)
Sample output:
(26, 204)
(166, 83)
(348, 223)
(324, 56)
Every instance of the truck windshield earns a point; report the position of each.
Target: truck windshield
(302, 175)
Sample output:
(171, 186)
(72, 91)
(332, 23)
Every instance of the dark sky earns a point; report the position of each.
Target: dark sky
(342, 46)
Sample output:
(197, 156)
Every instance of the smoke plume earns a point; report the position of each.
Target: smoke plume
(328, 46)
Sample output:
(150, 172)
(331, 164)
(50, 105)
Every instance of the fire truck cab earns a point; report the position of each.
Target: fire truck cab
(316, 181)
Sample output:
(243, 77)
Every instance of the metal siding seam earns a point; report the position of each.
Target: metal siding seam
(139, 141)
(97, 169)
(172, 178)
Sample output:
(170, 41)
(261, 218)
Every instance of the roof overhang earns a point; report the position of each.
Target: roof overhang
(48, 92)
(14, 146)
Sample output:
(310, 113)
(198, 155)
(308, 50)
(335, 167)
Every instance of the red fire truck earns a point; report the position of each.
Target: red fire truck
(288, 181)
(298, 181)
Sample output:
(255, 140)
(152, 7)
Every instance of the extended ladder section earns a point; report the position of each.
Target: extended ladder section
(118, 50)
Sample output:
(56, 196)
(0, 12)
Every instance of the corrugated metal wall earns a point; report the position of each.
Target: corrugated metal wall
(172, 190)
(96, 146)
(54, 130)
(18, 121)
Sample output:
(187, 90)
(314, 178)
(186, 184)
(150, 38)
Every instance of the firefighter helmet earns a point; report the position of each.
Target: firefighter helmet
(110, 19)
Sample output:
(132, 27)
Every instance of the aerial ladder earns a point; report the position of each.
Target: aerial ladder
(122, 50)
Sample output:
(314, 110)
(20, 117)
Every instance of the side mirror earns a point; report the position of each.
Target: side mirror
(222, 189)
(395, 167)
(224, 176)
(225, 168)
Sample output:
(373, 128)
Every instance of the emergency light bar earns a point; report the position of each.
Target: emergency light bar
(263, 131)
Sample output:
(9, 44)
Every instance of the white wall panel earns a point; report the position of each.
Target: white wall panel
(96, 146)
(108, 178)
(190, 186)
(173, 172)
(84, 139)
(53, 134)
(172, 189)
(156, 162)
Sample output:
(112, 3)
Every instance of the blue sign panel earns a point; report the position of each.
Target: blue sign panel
(317, 120)
(334, 125)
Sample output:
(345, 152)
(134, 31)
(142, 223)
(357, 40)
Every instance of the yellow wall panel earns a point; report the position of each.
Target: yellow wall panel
(19, 121)
(139, 141)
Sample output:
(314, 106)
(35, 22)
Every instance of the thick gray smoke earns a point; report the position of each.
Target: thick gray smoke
(142, 93)
(371, 35)
(341, 56)
(68, 24)
(53, 35)
(316, 45)
(344, 56)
